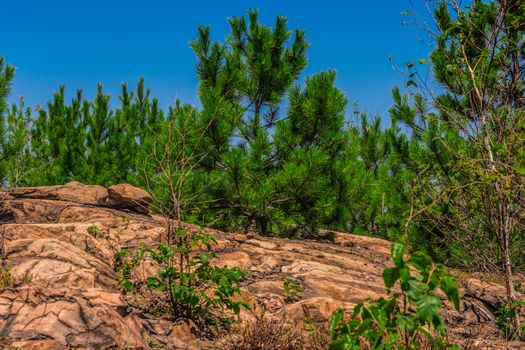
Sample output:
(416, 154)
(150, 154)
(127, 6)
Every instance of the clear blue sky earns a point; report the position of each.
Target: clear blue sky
(82, 42)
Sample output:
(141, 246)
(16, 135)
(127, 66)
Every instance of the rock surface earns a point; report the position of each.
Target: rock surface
(64, 293)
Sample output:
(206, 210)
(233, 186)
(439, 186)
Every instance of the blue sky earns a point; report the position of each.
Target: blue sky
(80, 43)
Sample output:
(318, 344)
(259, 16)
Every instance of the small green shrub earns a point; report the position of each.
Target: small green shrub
(193, 288)
(504, 316)
(95, 231)
(293, 289)
(125, 262)
(408, 318)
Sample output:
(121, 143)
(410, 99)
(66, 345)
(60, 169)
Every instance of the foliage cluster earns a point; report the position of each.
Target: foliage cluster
(185, 280)
(293, 289)
(6, 279)
(505, 316)
(408, 317)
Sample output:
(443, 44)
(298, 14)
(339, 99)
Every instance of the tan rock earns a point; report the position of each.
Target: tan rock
(125, 196)
(66, 316)
(239, 237)
(51, 262)
(234, 259)
(71, 192)
(317, 309)
(40, 344)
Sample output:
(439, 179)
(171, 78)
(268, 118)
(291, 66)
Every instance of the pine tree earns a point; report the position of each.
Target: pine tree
(16, 147)
(7, 73)
(470, 136)
(242, 84)
(137, 118)
(169, 165)
(308, 144)
(99, 159)
(57, 141)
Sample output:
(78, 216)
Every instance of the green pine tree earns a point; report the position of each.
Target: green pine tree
(242, 84)
(468, 139)
(309, 143)
(7, 74)
(57, 141)
(99, 158)
(16, 147)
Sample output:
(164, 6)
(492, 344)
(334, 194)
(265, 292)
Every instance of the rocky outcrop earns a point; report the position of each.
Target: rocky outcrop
(123, 196)
(64, 293)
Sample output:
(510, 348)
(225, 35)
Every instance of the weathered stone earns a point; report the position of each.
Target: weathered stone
(71, 192)
(66, 315)
(125, 196)
(39, 344)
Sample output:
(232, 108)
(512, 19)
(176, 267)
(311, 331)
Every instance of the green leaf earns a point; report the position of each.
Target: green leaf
(449, 287)
(420, 261)
(155, 283)
(404, 275)
(390, 276)
(340, 344)
(397, 251)
(127, 284)
(336, 319)
(427, 306)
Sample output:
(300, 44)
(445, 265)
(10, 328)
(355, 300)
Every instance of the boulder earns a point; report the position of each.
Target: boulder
(71, 192)
(122, 196)
(125, 196)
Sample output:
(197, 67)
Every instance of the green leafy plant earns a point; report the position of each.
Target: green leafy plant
(95, 231)
(193, 288)
(293, 289)
(125, 262)
(504, 317)
(408, 317)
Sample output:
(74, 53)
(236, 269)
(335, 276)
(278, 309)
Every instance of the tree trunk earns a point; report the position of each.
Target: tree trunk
(509, 286)
(504, 242)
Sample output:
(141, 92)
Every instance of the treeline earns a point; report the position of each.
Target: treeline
(77, 140)
(270, 154)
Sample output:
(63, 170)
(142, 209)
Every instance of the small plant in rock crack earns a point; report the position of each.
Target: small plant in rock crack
(95, 231)
(6, 279)
(194, 289)
(121, 218)
(293, 289)
(408, 318)
(504, 316)
(125, 262)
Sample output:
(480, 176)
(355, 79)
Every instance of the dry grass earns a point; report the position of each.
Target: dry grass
(6, 279)
(492, 277)
(265, 333)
